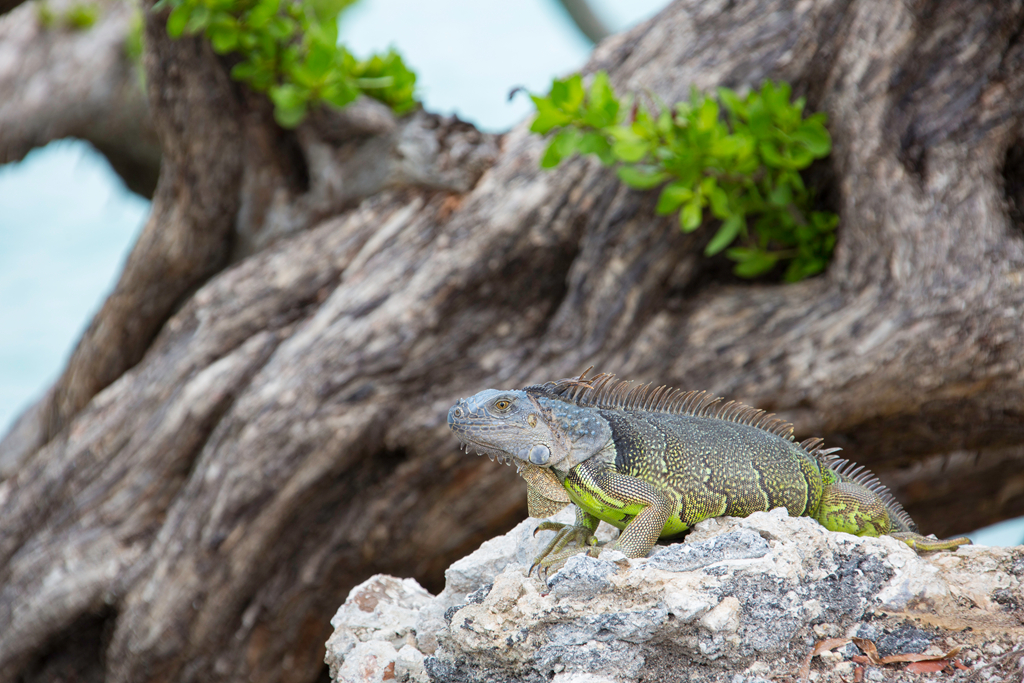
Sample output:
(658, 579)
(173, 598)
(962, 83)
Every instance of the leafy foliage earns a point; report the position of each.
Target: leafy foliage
(743, 166)
(81, 16)
(133, 40)
(78, 17)
(290, 51)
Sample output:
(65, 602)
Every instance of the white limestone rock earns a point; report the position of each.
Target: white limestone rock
(742, 600)
(477, 570)
(381, 610)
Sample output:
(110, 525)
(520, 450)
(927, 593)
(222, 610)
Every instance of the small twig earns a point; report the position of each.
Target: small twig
(586, 21)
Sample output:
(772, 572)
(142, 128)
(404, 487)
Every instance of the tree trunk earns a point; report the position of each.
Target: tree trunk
(255, 421)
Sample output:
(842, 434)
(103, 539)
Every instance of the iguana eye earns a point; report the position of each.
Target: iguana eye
(502, 404)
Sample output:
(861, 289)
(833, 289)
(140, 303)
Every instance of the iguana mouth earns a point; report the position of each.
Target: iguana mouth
(499, 456)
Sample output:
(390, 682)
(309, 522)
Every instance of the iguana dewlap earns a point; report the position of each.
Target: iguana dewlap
(655, 461)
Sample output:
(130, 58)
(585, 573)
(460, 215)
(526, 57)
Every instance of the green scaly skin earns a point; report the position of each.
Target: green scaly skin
(654, 462)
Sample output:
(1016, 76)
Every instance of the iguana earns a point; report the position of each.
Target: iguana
(655, 461)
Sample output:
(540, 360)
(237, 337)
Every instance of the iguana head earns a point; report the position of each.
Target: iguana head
(519, 426)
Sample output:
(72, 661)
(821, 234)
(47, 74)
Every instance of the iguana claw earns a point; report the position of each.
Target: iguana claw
(555, 552)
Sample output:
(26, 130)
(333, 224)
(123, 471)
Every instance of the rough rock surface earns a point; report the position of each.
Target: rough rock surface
(741, 600)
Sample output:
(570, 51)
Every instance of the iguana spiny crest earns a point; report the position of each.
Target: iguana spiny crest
(654, 461)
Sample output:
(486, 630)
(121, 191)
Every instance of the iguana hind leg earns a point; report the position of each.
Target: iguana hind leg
(856, 509)
(852, 508)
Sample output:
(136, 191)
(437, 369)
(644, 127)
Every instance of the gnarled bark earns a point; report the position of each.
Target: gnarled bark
(58, 82)
(283, 435)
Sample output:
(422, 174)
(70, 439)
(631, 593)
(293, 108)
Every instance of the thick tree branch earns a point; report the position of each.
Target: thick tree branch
(58, 82)
(231, 184)
(586, 21)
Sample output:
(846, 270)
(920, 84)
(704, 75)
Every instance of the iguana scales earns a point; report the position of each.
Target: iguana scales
(655, 461)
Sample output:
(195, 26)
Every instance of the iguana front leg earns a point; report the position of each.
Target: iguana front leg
(649, 507)
(580, 535)
(545, 494)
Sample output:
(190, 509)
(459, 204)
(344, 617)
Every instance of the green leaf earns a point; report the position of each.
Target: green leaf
(759, 120)
(224, 40)
(602, 104)
(780, 195)
(81, 16)
(381, 83)
(198, 20)
(751, 262)
(824, 221)
(562, 145)
(244, 71)
(773, 158)
(597, 144)
(641, 177)
(630, 150)
(802, 268)
(776, 97)
(289, 97)
(708, 185)
(707, 115)
(551, 157)
(289, 117)
(548, 116)
(177, 20)
(280, 29)
(340, 92)
(728, 146)
(319, 60)
(719, 201)
(328, 10)
(725, 235)
(691, 215)
(663, 124)
(568, 94)
(672, 197)
(262, 12)
(733, 104)
(815, 138)
(794, 180)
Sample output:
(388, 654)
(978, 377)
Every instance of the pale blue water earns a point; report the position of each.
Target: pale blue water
(1010, 532)
(469, 54)
(67, 222)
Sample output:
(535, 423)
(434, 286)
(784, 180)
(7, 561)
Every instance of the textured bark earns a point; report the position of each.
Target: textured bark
(586, 21)
(58, 82)
(283, 435)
